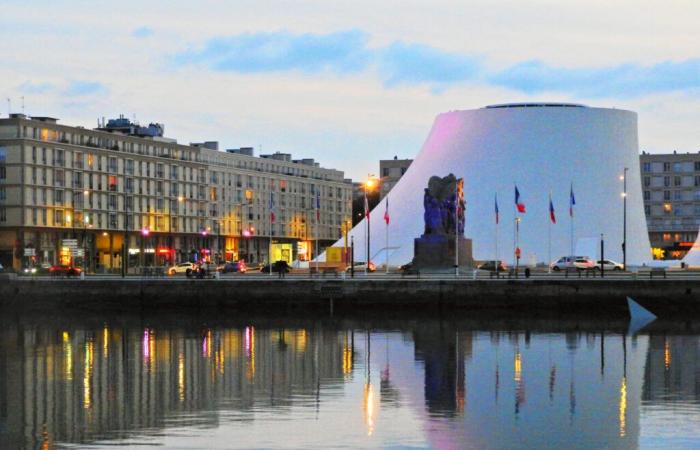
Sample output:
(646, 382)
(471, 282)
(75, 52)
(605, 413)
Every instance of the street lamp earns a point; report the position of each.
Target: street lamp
(623, 178)
(145, 232)
(369, 184)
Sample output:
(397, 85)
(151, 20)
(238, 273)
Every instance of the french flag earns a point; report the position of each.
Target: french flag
(518, 204)
(496, 207)
(572, 201)
(386, 211)
(552, 217)
(272, 209)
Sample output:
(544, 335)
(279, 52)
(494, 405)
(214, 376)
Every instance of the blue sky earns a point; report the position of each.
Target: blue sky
(349, 83)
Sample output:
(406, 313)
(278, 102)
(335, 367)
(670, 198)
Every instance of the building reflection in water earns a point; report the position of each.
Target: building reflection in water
(466, 387)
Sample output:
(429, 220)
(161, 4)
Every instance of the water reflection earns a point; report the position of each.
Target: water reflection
(438, 384)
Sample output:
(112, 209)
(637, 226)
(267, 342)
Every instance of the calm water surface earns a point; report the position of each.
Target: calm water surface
(184, 383)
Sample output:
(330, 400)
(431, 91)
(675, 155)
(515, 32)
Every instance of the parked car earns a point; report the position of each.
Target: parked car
(608, 265)
(233, 266)
(30, 270)
(361, 265)
(491, 266)
(576, 262)
(68, 271)
(276, 267)
(181, 268)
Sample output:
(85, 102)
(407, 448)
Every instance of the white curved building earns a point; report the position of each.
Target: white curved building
(541, 148)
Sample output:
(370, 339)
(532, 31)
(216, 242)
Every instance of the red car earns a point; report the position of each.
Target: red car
(67, 271)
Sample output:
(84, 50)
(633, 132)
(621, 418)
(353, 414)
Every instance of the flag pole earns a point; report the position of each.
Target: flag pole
(549, 237)
(571, 216)
(318, 214)
(495, 261)
(386, 220)
(269, 249)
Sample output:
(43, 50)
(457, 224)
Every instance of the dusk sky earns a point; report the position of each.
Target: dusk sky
(348, 83)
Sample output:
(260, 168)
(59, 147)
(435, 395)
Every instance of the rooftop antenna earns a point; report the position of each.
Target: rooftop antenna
(23, 104)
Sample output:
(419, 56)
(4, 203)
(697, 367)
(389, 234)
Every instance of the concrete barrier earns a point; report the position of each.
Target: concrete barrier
(663, 297)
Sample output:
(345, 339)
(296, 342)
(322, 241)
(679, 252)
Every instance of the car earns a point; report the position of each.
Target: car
(30, 270)
(491, 266)
(608, 264)
(1, 268)
(360, 266)
(576, 262)
(276, 267)
(233, 266)
(181, 268)
(68, 271)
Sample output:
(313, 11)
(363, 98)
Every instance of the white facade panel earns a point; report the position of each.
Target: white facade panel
(542, 149)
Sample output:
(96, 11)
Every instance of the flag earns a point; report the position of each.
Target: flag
(518, 204)
(318, 206)
(496, 207)
(572, 201)
(552, 217)
(272, 209)
(366, 207)
(386, 211)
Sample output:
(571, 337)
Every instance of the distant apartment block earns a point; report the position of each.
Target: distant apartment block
(390, 172)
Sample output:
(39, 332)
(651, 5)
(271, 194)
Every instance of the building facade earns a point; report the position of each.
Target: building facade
(390, 172)
(671, 189)
(95, 198)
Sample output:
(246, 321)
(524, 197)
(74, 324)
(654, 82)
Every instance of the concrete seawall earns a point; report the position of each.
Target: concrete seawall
(670, 298)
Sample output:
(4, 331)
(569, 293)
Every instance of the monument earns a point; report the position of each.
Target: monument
(443, 215)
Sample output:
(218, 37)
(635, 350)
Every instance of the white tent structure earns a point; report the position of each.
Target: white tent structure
(541, 148)
(692, 258)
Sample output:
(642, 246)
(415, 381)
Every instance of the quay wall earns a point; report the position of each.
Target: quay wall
(678, 298)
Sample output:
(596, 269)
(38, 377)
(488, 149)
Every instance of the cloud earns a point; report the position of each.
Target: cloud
(414, 63)
(142, 32)
(626, 80)
(342, 52)
(400, 63)
(29, 87)
(79, 88)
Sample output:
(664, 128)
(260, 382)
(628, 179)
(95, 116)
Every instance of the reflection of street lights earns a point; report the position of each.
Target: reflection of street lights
(623, 178)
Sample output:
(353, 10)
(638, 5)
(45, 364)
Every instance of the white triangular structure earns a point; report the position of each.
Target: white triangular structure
(639, 316)
(692, 258)
(543, 148)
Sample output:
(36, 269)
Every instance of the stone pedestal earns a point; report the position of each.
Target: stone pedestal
(438, 251)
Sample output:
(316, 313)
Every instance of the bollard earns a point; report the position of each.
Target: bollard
(82, 275)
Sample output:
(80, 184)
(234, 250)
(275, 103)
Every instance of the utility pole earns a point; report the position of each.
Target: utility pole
(624, 219)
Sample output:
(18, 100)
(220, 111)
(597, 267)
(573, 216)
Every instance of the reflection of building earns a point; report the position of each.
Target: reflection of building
(87, 384)
(671, 185)
(672, 368)
(390, 172)
(542, 148)
(75, 190)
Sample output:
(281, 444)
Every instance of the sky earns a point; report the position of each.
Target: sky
(348, 83)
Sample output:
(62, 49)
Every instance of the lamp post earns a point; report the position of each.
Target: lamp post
(145, 232)
(623, 178)
(369, 184)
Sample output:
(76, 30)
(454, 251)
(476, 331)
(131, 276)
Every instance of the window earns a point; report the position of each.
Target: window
(58, 217)
(3, 194)
(676, 195)
(129, 203)
(677, 211)
(59, 178)
(129, 186)
(112, 202)
(159, 170)
(129, 167)
(667, 167)
(112, 220)
(647, 181)
(58, 197)
(43, 156)
(667, 195)
(78, 179)
(34, 155)
(696, 166)
(58, 159)
(647, 210)
(78, 160)
(676, 181)
(677, 167)
(112, 183)
(34, 216)
(646, 167)
(667, 181)
(159, 204)
(3, 214)
(173, 172)
(3, 173)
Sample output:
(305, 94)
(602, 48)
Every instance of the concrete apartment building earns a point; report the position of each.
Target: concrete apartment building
(390, 172)
(671, 186)
(67, 192)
